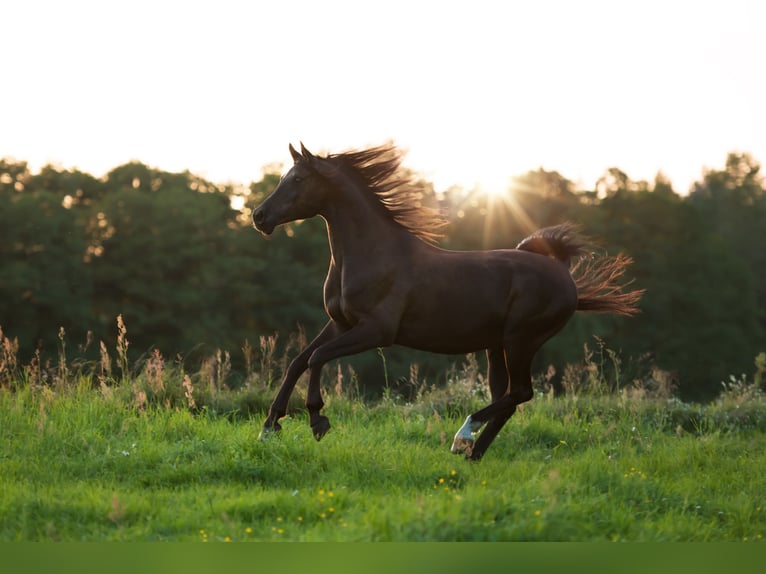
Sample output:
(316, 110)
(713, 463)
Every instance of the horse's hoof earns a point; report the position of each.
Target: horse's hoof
(320, 427)
(269, 431)
(462, 445)
(464, 440)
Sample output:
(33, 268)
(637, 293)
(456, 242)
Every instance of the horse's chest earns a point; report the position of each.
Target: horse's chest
(332, 299)
(348, 299)
(340, 303)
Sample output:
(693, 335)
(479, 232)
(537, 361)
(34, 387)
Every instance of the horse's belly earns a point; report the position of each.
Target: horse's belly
(451, 331)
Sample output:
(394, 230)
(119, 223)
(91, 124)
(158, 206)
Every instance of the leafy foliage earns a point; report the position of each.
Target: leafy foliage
(189, 275)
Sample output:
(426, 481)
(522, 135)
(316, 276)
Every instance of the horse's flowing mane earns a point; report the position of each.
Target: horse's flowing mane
(379, 170)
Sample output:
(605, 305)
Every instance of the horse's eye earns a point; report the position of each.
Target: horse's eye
(298, 179)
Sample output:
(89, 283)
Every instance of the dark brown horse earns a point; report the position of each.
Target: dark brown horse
(389, 284)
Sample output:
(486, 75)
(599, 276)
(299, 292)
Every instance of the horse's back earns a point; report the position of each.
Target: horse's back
(498, 275)
(461, 301)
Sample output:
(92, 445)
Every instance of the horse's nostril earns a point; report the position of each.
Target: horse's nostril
(258, 217)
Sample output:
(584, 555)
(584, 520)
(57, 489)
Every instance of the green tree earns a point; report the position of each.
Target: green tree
(732, 203)
(699, 313)
(159, 247)
(44, 282)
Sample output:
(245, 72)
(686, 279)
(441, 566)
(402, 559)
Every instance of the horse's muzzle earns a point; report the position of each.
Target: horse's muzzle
(261, 222)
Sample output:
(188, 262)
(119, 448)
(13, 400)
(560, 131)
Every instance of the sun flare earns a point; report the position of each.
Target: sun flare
(503, 210)
(495, 189)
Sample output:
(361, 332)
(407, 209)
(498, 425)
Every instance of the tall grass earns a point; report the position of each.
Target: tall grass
(151, 451)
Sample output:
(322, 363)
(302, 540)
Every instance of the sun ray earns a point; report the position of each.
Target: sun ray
(498, 224)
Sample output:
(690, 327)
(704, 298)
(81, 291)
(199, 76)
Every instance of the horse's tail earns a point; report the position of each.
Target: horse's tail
(598, 287)
(596, 276)
(562, 242)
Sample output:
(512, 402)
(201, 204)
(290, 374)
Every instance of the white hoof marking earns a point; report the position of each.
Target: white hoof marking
(463, 441)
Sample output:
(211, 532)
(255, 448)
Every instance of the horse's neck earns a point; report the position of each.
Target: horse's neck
(361, 229)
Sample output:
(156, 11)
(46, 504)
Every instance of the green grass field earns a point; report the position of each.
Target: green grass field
(79, 462)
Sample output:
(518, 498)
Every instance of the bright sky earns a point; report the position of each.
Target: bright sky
(475, 91)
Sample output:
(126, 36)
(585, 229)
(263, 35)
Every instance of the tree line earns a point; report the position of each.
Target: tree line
(170, 254)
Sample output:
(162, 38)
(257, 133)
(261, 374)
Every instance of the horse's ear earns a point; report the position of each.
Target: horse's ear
(296, 156)
(306, 153)
(318, 163)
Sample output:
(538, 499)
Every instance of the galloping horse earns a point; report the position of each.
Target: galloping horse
(388, 283)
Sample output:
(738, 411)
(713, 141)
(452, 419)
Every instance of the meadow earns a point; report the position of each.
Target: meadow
(153, 453)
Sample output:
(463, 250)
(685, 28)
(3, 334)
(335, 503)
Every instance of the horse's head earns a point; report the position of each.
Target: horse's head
(301, 193)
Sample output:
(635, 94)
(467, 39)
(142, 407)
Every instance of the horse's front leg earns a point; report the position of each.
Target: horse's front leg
(320, 424)
(361, 337)
(297, 367)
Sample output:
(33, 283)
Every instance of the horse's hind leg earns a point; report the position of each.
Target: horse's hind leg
(518, 363)
(498, 388)
(489, 433)
(499, 382)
